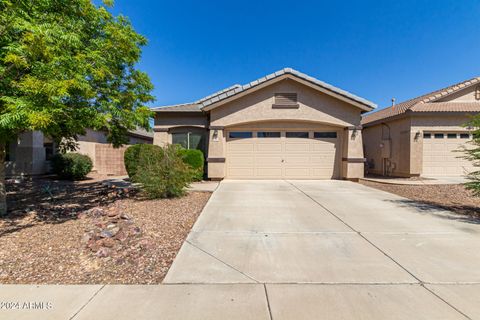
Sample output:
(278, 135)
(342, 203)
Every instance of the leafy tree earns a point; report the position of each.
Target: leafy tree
(473, 154)
(67, 65)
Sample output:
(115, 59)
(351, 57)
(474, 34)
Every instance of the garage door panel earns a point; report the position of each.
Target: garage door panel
(241, 147)
(282, 158)
(296, 147)
(269, 147)
(241, 161)
(268, 161)
(442, 156)
(272, 173)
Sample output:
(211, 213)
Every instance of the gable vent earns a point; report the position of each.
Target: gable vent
(285, 99)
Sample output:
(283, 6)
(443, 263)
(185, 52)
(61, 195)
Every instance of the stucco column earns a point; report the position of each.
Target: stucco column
(216, 153)
(353, 161)
(161, 136)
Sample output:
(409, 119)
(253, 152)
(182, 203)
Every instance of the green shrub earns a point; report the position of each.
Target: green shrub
(162, 172)
(72, 166)
(131, 156)
(194, 158)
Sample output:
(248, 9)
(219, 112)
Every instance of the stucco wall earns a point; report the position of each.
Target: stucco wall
(398, 133)
(313, 106)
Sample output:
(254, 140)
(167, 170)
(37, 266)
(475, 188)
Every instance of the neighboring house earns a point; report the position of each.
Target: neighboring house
(423, 136)
(30, 154)
(286, 125)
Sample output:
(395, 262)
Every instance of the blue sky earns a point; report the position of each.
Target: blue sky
(375, 49)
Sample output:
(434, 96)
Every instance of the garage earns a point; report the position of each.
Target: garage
(441, 156)
(295, 154)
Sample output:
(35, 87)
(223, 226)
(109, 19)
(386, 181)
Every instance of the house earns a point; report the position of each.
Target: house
(286, 125)
(31, 152)
(424, 135)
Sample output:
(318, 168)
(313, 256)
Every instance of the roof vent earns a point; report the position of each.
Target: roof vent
(285, 99)
(393, 103)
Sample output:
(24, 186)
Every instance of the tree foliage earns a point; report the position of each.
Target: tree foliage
(67, 65)
(473, 154)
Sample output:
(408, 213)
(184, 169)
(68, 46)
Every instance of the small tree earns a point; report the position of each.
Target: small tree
(66, 66)
(473, 154)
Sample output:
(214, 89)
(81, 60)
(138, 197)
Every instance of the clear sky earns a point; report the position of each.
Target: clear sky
(375, 49)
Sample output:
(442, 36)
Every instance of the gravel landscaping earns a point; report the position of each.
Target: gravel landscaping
(61, 232)
(452, 197)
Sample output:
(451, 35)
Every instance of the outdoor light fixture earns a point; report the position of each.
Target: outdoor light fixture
(215, 135)
(417, 135)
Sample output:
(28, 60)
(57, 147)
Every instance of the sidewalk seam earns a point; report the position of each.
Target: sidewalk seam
(268, 301)
(86, 303)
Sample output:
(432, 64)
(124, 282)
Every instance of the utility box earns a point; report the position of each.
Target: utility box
(385, 148)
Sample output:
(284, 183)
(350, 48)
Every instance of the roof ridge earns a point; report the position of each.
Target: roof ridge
(234, 90)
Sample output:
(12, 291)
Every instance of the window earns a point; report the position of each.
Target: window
(189, 140)
(320, 135)
(285, 99)
(439, 135)
(264, 134)
(464, 135)
(452, 136)
(49, 150)
(297, 134)
(239, 135)
(427, 135)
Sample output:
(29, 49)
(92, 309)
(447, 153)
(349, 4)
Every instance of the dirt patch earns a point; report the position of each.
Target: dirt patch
(60, 232)
(453, 197)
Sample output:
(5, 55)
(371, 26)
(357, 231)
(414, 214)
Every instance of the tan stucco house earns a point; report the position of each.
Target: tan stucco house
(286, 125)
(424, 135)
(31, 152)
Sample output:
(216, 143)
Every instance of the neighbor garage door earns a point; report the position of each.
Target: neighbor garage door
(282, 154)
(441, 156)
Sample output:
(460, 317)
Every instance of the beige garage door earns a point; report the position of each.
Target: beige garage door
(440, 157)
(282, 155)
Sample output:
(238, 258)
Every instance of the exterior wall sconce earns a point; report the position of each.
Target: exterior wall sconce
(417, 136)
(354, 133)
(215, 135)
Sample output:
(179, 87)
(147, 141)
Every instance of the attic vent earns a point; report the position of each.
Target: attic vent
(477, 93)
(285, 100)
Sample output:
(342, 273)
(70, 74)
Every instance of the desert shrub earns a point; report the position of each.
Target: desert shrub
(131, 156)
(72, 166)
(194, 158)
(162, 173)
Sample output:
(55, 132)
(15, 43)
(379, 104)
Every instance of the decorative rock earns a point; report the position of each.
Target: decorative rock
(106, 234)
(103, 252)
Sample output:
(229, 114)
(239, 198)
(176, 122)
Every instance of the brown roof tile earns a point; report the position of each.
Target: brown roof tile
(425, 103)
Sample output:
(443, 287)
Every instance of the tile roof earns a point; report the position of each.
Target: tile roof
(198, 105)
(237, 89)
(184, 107)
(425, 103)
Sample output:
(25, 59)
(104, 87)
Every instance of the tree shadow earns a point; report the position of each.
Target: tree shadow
(43, 200)
(457, 212)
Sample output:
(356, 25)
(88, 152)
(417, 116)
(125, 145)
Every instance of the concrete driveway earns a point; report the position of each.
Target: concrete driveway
(319, 246)
(295, 250)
